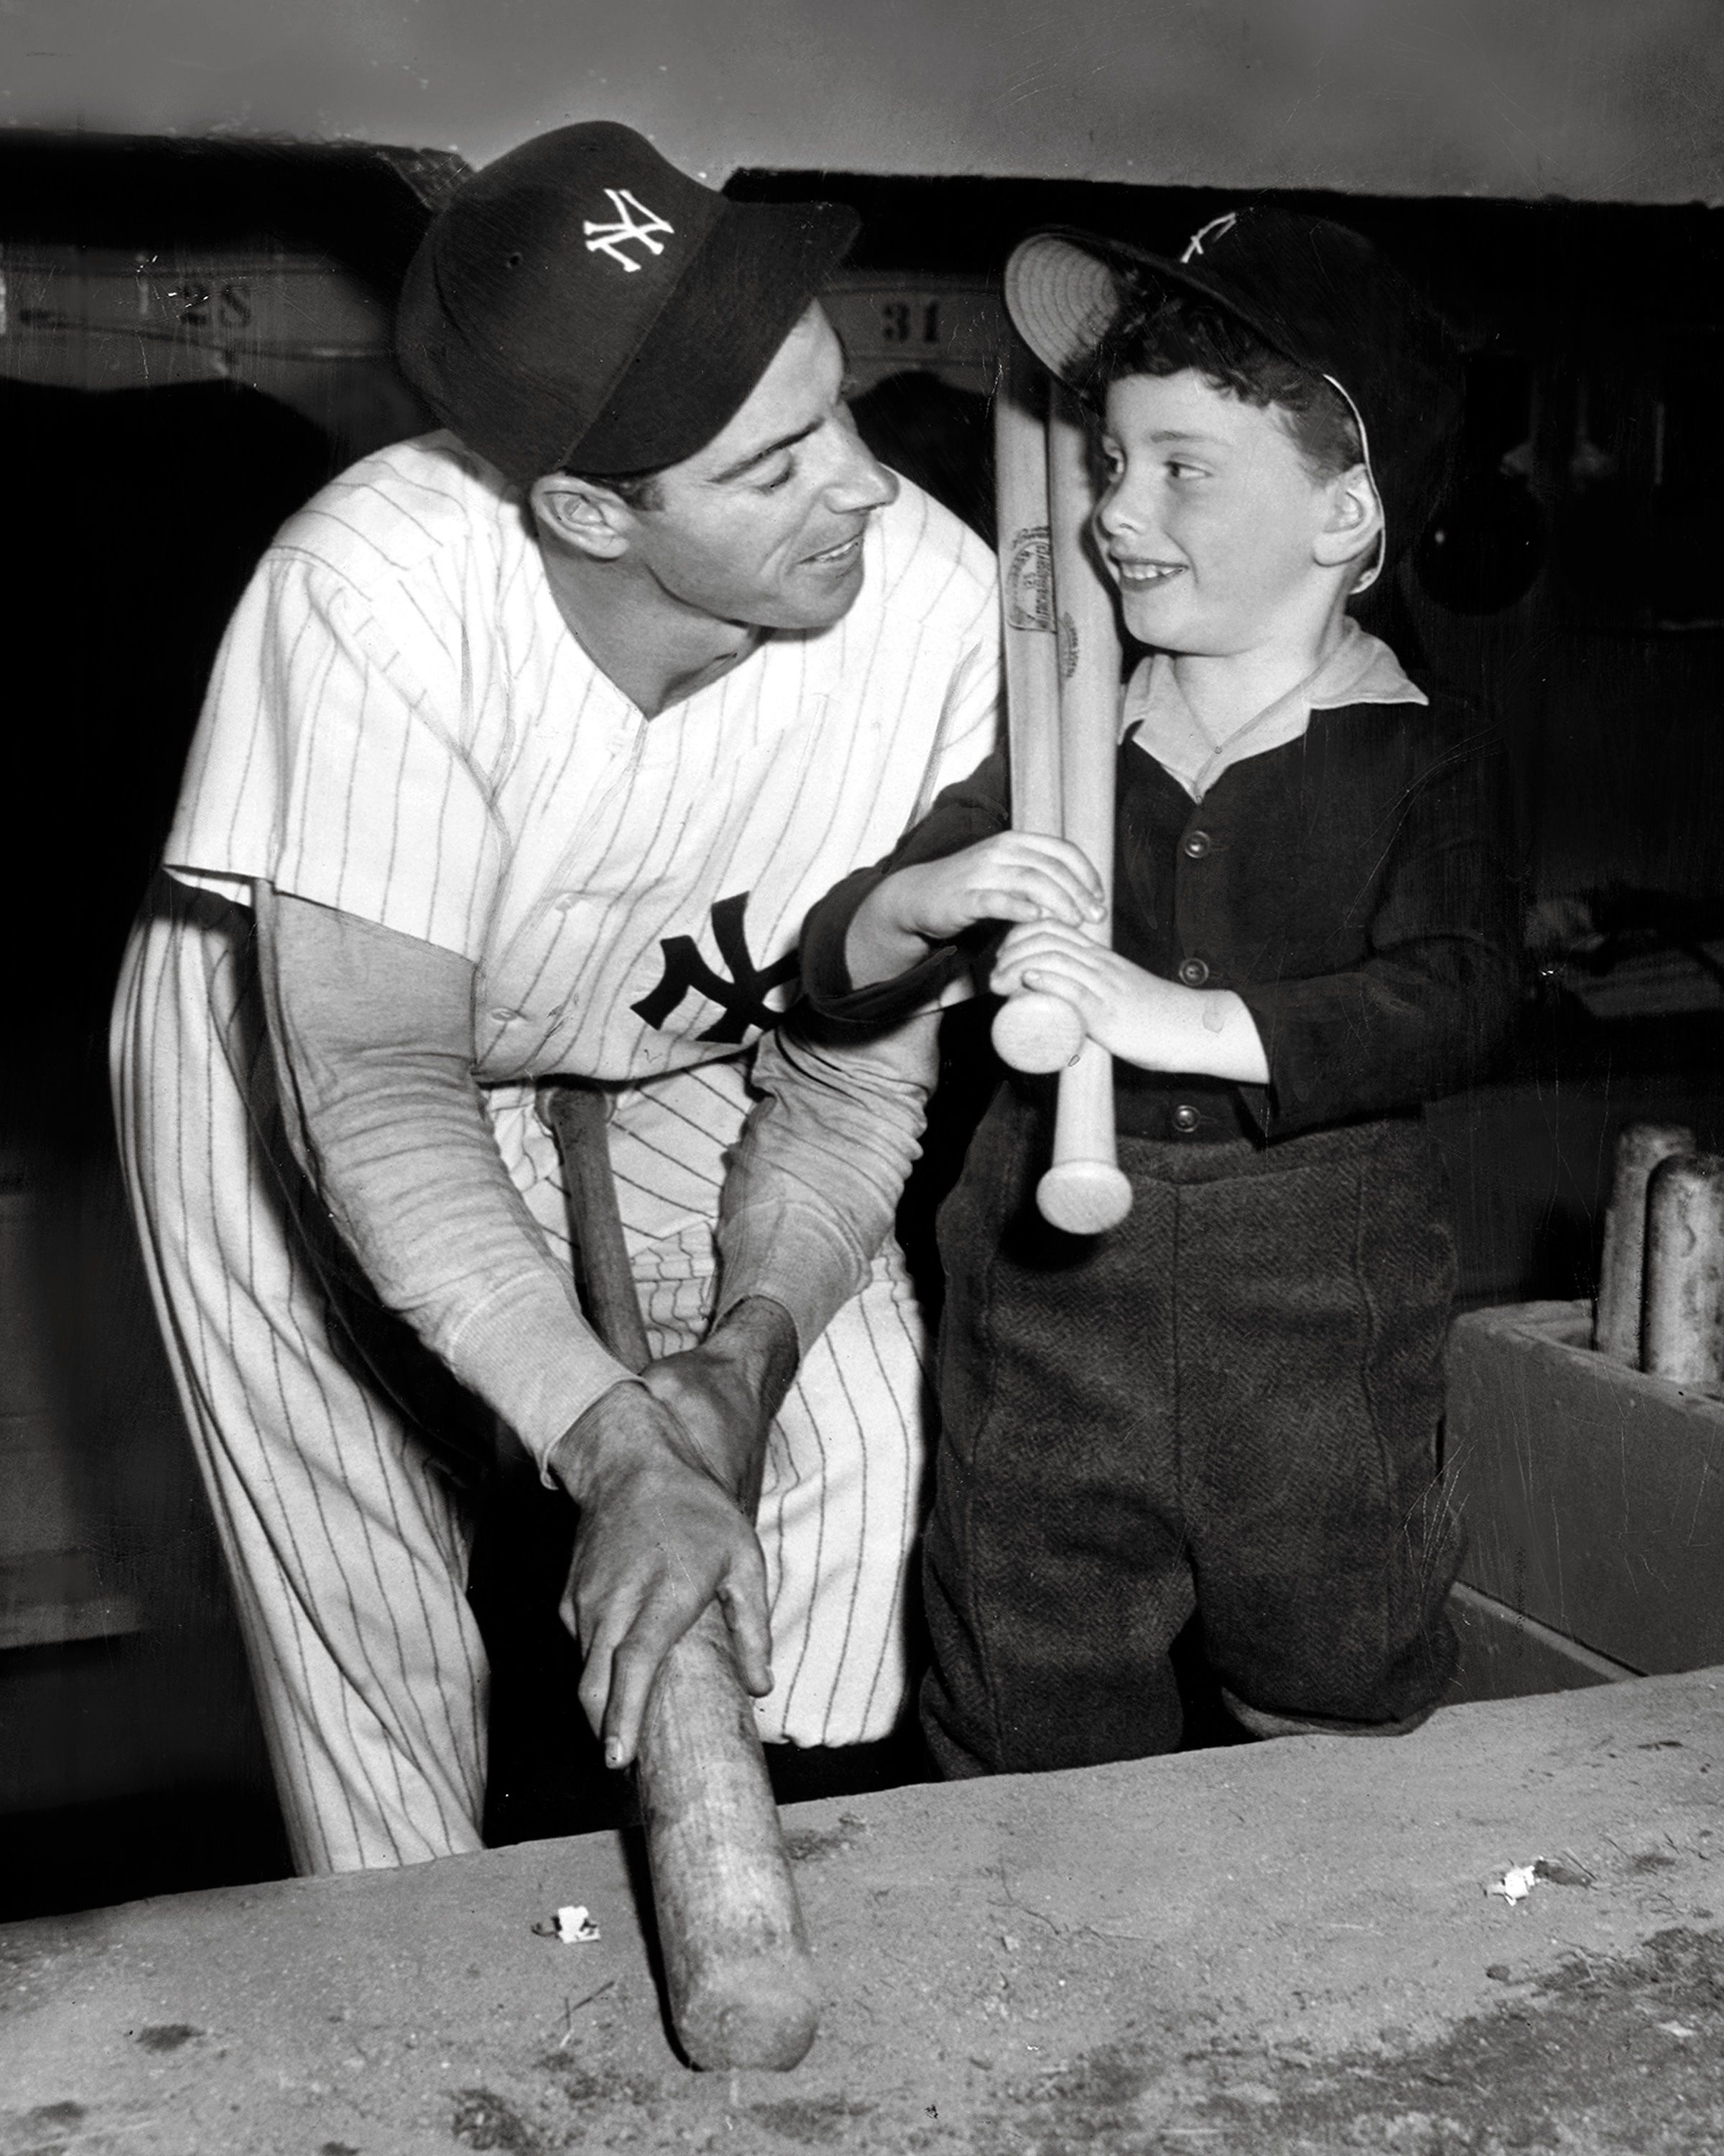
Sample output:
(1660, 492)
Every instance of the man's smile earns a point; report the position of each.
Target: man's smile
(845, 551)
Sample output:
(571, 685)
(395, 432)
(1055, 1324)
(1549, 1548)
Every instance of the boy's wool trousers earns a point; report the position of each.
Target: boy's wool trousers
(1228, 1405)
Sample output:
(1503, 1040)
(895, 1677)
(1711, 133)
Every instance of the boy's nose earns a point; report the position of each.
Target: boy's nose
(1116, 514)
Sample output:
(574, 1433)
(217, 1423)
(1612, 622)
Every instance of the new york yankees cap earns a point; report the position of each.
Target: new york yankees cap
(581, 304)
(1321, 295)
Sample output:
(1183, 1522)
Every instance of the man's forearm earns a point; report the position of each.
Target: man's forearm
(371, 1036)
(816, 1179)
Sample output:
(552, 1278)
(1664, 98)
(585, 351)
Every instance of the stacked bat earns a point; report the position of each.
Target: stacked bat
(1062, 694)
(1661, 1275)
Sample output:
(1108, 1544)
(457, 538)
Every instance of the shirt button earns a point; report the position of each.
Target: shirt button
(1185, 1119)
(1193, 972)
(1196, 846)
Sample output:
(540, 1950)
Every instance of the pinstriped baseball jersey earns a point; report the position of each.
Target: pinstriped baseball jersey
(401, 726)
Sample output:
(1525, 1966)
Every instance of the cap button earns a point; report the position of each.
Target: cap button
(1185, 1119)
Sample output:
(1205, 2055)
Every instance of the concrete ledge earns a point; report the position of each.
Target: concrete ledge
(1275, 1948)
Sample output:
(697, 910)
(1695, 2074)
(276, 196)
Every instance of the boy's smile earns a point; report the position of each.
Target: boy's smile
(1209, 518)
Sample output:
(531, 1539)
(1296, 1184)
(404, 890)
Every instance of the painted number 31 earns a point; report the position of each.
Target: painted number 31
(903, 322)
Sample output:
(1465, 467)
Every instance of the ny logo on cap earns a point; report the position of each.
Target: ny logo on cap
(634, 221)
(1217, 227)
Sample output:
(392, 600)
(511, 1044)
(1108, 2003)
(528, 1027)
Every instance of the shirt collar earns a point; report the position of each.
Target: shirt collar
(1361, 669)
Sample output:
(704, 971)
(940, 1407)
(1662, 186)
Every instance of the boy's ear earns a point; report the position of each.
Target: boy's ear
(586, 517)
(1354, 522)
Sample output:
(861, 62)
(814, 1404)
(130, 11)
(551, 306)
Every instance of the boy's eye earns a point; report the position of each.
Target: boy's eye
(1180, 469)
(779, 478)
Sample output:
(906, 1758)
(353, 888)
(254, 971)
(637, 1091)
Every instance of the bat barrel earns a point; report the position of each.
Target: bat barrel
(1683, 1327)
(1031, 1031)
(737, 1962)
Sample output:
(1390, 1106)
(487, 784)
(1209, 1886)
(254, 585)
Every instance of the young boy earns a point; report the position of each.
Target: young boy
(1229, 1404)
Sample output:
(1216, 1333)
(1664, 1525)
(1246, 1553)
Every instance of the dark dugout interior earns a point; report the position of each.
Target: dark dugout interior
(1572, 580)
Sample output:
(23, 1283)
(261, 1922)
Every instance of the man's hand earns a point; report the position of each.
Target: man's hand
(1136, 1015)
(659, 1538)
(1019, 876)
(726, 1392)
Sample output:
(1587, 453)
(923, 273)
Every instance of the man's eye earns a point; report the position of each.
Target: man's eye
(1180, 469)
(779, 478)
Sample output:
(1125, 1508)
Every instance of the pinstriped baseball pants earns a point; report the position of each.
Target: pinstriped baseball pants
(346, 1539)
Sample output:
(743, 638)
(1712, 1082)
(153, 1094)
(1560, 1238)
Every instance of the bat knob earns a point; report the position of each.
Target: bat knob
(1084, 1197)
(1036, 1032)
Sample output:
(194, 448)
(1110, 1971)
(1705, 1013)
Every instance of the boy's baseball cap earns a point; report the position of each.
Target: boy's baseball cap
(1321, 295)
(581, 303)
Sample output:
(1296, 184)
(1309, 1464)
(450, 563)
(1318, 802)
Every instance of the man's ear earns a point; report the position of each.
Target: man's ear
(582, 515)
(1353, 526)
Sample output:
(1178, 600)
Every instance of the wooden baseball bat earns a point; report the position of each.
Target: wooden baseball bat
(1616, 1320)
(1683, 1331)
(737, 1962)
(1032, 1030)
(1083, 1192)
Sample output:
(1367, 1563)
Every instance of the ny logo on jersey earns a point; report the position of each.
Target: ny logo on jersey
(634, 221)
(742, 997)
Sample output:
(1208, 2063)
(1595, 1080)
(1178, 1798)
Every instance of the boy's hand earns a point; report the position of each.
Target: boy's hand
(1135, 1015)
(1018, 876)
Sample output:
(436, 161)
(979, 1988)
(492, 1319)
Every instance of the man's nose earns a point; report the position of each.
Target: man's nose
(859, 482)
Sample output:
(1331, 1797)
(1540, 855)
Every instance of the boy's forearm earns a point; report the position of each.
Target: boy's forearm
(878, 947)
(1206, 1032)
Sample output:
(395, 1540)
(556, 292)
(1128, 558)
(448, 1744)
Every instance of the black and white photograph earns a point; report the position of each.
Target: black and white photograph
(862, 1117)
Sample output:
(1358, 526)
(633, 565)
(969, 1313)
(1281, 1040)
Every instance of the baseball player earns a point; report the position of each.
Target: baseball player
(527, 749)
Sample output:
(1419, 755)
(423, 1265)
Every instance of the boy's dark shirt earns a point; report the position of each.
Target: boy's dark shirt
(1353, 886)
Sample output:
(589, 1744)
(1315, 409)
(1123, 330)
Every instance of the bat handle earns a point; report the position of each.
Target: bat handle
(1085, 1191)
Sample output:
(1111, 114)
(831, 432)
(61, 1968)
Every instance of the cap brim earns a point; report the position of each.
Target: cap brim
(1063, 289)
(1062, 298)
(744, 293)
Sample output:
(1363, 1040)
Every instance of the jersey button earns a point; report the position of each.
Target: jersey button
(1193, 972)
(1196, 846)
(1185, 1119)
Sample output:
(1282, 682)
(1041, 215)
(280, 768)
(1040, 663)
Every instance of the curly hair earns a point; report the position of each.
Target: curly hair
(1161, 332)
